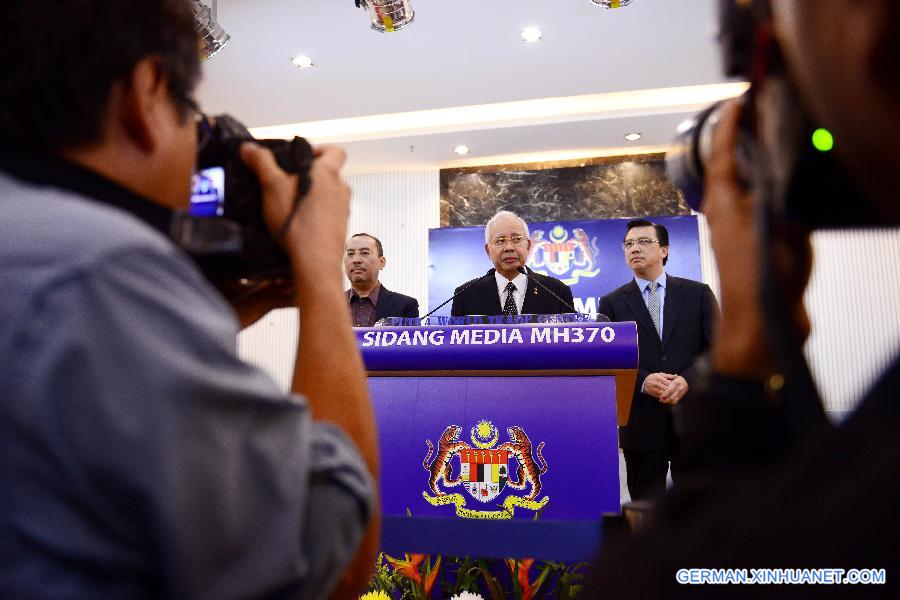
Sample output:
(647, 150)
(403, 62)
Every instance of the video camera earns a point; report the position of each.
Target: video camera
(790, 162)
(223, 229)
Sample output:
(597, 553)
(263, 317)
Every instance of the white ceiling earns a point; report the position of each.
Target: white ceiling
(459, 53)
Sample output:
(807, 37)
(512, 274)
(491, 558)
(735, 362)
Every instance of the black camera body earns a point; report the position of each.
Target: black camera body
(224, 230)
(808, 186)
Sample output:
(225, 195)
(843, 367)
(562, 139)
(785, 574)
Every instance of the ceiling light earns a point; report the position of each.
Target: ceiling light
(388, 15)
(212, 37)
(611, 3)
(633, 137)
(531, 34)
(461, 149)
(301, 61)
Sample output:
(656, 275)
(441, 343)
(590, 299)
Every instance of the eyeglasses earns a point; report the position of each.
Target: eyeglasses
(364, 252)
(501, 240)
(642, 242)
(205, 128)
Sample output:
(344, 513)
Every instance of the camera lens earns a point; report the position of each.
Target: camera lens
(686, 159)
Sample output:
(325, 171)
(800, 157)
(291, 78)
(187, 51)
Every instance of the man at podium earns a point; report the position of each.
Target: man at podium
(510, 288)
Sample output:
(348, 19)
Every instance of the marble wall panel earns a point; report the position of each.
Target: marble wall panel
(601, 188)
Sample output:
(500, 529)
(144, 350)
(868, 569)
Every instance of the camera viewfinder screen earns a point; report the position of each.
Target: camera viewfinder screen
(208, 193)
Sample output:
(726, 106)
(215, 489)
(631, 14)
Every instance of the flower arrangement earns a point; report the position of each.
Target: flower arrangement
(417, 577)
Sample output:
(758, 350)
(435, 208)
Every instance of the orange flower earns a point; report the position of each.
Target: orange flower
(431, 577)
(522, 577)
(409, 568)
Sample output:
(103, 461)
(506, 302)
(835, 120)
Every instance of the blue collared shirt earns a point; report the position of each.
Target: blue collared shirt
(661, 291)
(139, 455)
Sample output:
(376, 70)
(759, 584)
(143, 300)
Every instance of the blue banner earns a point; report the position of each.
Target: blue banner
(586, 255)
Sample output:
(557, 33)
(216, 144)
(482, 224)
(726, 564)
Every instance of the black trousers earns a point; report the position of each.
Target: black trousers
(646, 469)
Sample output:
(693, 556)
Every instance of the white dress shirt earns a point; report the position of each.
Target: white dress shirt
(521, 283)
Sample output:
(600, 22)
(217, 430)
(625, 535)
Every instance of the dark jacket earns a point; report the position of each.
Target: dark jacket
(482, 297)
(393, 304)
(689, 315)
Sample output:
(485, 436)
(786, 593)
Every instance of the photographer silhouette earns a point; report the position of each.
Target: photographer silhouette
(140, 456)
(768, 482)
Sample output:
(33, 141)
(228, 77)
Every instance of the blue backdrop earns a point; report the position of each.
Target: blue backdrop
(586, 255)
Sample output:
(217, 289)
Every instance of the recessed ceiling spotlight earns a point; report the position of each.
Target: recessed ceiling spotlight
(633, 137)
(531, 34)
(461, 149)
(611, 3)
(302, 61)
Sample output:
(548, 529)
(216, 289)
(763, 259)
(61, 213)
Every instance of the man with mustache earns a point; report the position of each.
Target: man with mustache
(369, 300)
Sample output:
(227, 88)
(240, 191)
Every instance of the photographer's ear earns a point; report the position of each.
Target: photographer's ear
(139, 103)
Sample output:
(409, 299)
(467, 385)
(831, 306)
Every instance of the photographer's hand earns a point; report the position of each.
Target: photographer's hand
(318, 227)
(252, 300)
(329, 369)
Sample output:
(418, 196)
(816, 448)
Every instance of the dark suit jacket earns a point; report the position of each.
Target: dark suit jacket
(483, 299)
(688, 317)
(393, 304)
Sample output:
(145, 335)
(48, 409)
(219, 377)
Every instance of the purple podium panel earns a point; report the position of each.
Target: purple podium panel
(498, 424)
(497, 447)
(531, 346)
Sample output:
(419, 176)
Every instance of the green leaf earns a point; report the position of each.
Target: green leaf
(494, 588)
(517, 589)
(541, 579)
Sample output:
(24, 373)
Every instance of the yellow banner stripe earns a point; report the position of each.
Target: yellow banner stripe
(508, 506)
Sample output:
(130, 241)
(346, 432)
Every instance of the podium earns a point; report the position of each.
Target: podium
(499, 440)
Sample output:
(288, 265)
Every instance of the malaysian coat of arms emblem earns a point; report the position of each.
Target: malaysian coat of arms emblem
(484, 470)
(569, 258)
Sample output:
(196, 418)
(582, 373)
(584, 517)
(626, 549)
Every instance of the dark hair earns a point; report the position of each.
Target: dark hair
(662, 234)
(377, 241)
(60, 59)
